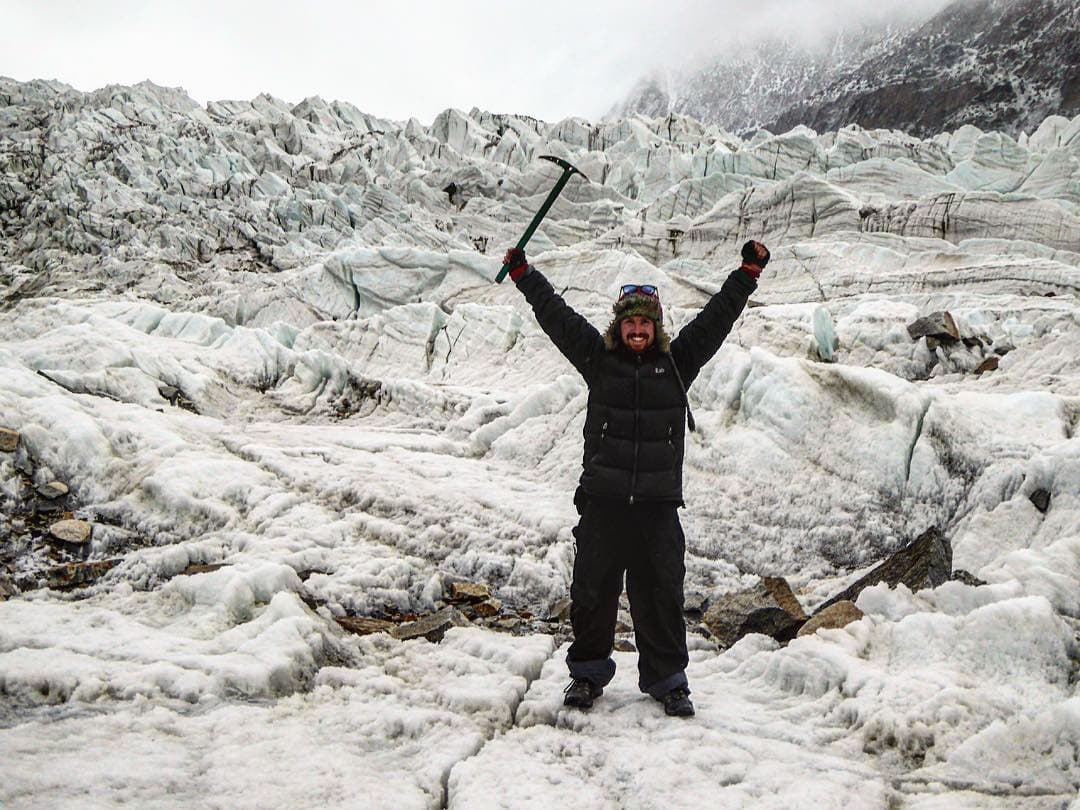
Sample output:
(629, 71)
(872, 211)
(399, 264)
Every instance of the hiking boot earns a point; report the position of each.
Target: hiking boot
(677, 703)
(581, 693)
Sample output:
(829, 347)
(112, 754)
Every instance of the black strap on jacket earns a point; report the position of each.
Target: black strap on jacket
(686, 399)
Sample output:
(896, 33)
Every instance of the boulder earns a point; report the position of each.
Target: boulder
(937, 325)
(76, 575)
(989, 364)
(467, 592)
(839, 614)
(487, 608)
(926, 562)
(432, 627)
(624, 645)
(769, 608)
(52, 490)
(364, 625)
(560, 611)
(9, 440)
(1041, 499)
(694, 604)
(76, 532)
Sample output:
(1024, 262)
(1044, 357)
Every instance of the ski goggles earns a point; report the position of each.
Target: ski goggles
(639, 289)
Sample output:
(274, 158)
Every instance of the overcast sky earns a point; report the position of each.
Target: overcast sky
(397, 59)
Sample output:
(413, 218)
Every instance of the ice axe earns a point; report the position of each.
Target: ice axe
(524, 240)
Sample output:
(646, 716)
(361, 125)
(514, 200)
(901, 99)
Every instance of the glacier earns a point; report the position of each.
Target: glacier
(262, 344)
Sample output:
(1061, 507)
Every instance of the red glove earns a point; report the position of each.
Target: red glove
(755, 256)
(516, 261)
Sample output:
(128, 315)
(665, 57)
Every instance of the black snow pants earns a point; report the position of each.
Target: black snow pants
(645, 541)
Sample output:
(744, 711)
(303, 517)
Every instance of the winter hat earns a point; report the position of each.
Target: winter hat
(637, 304)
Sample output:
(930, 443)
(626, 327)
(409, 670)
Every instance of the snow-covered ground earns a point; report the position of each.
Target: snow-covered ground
(267, 336)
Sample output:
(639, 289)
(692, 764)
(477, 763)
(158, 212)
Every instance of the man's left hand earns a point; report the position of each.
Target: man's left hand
(755, 253)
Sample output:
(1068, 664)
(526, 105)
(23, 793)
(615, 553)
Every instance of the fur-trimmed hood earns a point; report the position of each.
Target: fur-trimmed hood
(637, 305)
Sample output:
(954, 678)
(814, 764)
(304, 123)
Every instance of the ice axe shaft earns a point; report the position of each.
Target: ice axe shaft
(536, 220)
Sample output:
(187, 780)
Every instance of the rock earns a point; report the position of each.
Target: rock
(7, 588)
(201, 568)
(624, 645)
(467, 592)
(926, 562)
(623, 627)
(432, 627)
(52, 490)
(938, 325)
(487, 608)
(781, 592)
(509, 623)
(76, 532)
(75, 575)
(769, 608)
(960, 575)
(989, 364)
(1041, 499)
(694, 604)
(838, 614)
(9, 440)
(364, 625)
(560, 611)
(169, 393)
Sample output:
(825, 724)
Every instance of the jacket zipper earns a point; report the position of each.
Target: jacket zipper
(637, 417)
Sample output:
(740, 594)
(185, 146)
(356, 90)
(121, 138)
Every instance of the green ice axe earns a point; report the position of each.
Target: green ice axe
(524, 240)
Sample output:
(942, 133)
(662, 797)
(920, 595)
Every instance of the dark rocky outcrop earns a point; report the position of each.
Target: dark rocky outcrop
(769, 608)
(926, 562)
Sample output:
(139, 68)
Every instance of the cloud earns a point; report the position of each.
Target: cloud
(403, 58)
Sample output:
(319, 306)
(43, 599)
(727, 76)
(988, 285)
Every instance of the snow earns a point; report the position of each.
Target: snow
(362, 417)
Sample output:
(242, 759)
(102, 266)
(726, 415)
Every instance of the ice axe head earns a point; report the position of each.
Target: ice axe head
(568, 170)
(564, 165)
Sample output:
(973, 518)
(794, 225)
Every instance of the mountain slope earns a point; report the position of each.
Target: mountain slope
(740, 90)
(997, 64)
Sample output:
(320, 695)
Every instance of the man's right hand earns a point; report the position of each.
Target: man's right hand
(516, 261)
(755, 256)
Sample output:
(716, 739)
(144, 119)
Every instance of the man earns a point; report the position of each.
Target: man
(631, 480)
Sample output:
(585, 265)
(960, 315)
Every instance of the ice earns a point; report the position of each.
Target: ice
(262, 345)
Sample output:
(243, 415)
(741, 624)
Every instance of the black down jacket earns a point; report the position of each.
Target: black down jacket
(635, 421)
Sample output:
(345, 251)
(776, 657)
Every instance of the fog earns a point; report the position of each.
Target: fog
(402, 59)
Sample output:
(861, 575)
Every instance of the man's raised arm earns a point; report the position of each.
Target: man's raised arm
(575, 337)
(700, 339)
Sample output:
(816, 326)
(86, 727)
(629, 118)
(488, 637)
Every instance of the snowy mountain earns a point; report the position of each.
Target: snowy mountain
(995, 64)
(260, 396)
(743, 88)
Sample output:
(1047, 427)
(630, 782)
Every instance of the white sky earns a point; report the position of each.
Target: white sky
(395, 59)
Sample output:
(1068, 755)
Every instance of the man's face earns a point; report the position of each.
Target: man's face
(637, 333)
